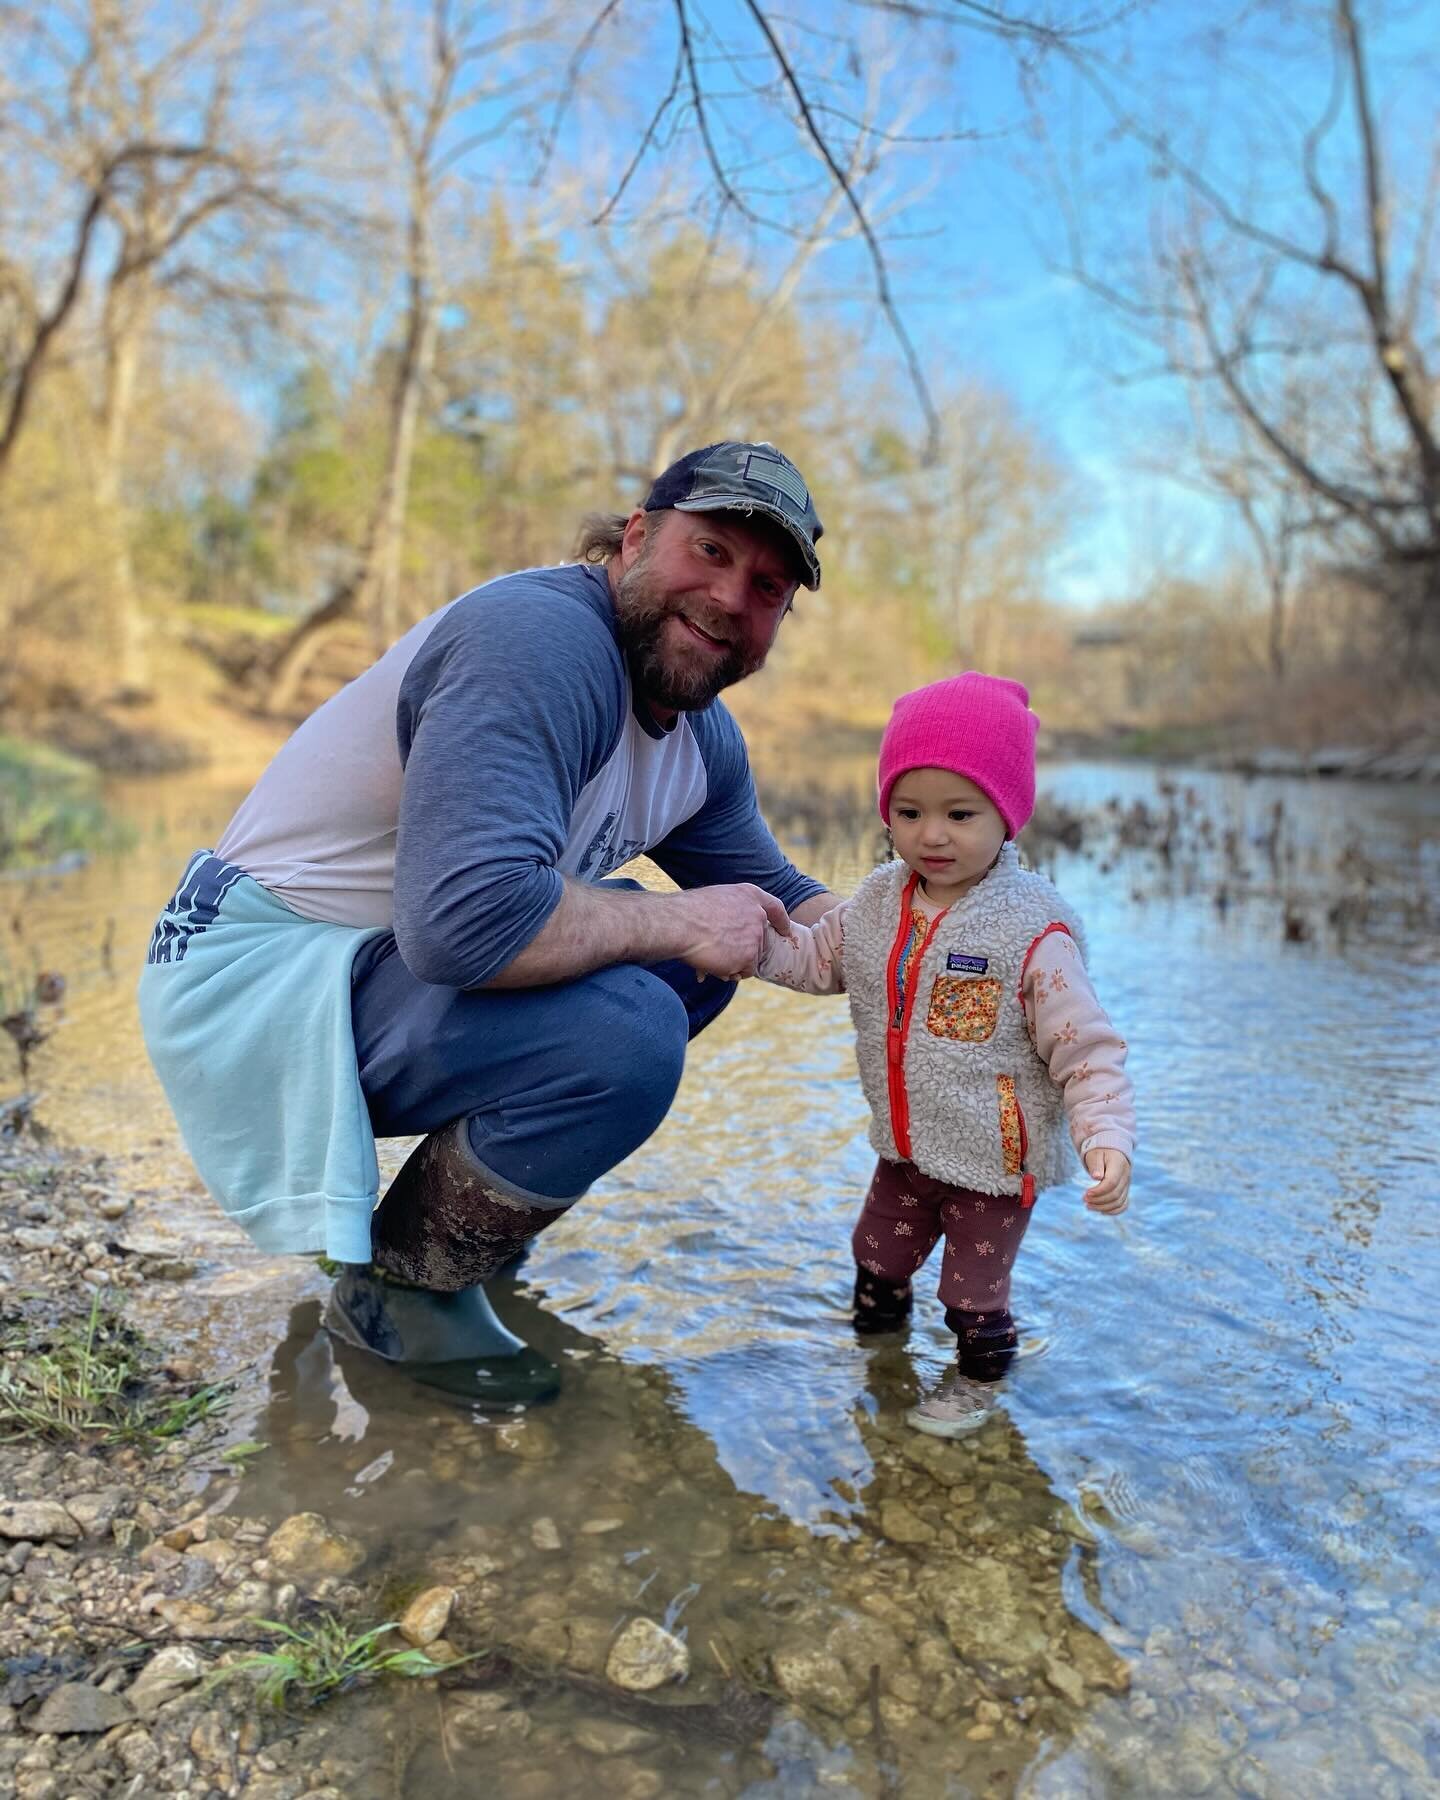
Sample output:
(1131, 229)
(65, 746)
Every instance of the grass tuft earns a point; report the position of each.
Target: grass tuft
(324, 1656)
(90, 1380)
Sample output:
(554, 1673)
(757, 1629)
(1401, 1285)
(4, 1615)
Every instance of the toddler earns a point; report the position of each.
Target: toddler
(978, 1034)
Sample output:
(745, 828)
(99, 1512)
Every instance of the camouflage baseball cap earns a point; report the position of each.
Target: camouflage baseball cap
(748, 478)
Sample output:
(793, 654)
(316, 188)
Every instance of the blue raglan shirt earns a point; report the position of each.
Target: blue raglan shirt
(496, 749)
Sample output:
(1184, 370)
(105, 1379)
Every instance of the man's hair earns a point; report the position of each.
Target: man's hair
(599, 536)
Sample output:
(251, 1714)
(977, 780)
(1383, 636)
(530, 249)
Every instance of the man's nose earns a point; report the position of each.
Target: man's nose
(727, 590)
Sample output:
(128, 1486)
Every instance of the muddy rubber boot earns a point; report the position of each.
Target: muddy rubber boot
(453, 1342)
(442, 1225)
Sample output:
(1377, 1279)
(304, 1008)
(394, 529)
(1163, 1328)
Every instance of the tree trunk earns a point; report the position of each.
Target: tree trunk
(373, 591)
(126, 312)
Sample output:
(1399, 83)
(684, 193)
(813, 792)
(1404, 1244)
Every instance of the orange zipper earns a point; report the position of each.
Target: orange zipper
(897, 1031)
(1027, 1182)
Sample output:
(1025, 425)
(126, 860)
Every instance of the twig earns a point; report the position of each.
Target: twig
(883, 292)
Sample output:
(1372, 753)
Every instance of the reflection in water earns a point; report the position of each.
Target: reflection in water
(920, 1635)
(1219, 1488)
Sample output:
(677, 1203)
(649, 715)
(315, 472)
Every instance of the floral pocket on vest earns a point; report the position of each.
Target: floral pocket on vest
(1012, 1126)
(964, 1008)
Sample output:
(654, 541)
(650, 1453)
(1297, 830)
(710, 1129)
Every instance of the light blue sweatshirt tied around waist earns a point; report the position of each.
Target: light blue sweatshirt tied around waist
(267, 1096)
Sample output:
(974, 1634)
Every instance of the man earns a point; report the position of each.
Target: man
(407, 926)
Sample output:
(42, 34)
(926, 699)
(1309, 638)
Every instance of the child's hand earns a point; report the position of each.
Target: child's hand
(1111, 1192)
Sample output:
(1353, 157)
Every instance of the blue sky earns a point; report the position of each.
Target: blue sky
(978, 258)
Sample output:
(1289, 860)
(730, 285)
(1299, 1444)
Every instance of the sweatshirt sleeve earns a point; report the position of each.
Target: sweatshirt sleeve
(514, 701)
(812, 959)
(1077, 1043)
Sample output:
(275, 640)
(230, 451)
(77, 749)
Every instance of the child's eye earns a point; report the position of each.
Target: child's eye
(960, 815)
(906, 812)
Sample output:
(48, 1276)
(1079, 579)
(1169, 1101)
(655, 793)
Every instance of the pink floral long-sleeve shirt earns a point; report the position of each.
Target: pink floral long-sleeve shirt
(1068, 1027)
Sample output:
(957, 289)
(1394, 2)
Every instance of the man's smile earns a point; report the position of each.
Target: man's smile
(700, 634)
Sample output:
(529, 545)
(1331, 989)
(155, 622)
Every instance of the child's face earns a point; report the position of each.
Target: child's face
(945, 829)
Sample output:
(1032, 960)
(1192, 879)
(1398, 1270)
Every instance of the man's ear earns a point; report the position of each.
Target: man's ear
(633, 538)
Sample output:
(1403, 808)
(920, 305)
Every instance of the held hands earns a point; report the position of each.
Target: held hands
(1111, 1170)
(727, 928)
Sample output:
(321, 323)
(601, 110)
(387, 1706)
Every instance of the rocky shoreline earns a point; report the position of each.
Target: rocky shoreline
(130, 1581)
(627, 1621)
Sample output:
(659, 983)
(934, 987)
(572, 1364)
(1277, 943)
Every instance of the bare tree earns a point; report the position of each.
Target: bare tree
(800, 80)
(144, 128)
(709, 388)
(1309, 329)
(437, 102)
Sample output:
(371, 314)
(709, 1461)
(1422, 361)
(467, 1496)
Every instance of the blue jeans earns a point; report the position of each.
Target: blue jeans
(558, 1083)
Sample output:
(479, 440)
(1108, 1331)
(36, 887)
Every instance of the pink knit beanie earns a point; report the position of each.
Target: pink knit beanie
(978, 726)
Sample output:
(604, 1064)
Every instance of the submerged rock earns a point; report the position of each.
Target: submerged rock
(904, 1526)
(526, 1439)
(815, 1678)
(425, 1618)
(646, 1656)
(988, 1614)
(307, 1548)
(609, 1737)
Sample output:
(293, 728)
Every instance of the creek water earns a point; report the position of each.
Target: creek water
(1193, 1552)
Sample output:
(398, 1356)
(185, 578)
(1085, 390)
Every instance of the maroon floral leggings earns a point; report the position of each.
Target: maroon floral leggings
(904, 1215)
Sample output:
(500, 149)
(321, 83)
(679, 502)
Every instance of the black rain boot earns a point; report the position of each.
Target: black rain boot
(452, 1341)
(880, 1305)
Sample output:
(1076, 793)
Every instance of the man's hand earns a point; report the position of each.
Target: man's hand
(1111, 1192)
(726, 928)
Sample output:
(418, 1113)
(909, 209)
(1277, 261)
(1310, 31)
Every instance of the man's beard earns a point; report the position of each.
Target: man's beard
(642, 611)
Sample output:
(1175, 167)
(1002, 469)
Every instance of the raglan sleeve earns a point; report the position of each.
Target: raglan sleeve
(502, 717)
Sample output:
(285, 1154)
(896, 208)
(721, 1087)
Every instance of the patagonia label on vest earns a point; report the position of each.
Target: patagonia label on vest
(955, 963)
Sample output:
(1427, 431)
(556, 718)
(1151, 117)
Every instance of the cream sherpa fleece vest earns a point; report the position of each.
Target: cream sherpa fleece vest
(983, 1111)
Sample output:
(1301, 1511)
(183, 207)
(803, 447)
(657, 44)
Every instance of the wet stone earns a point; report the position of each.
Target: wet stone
(427, 1615)
(608, 1737)
(307, 1549)
(168, 1673)
(1066, 1680)
(987, 1613)
(37, 1520)
(589, 1646)
(814, 1678)
(646, 1656)
(544, 1535)
(904, 1526)
(76, 1707)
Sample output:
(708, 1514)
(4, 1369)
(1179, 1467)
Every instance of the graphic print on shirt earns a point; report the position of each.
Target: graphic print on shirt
(605, 853)
(648, 787)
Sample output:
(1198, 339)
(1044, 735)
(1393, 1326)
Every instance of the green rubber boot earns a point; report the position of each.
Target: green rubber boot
(453, 1342)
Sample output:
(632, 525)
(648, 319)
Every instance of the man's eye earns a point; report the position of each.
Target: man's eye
(709, 548)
